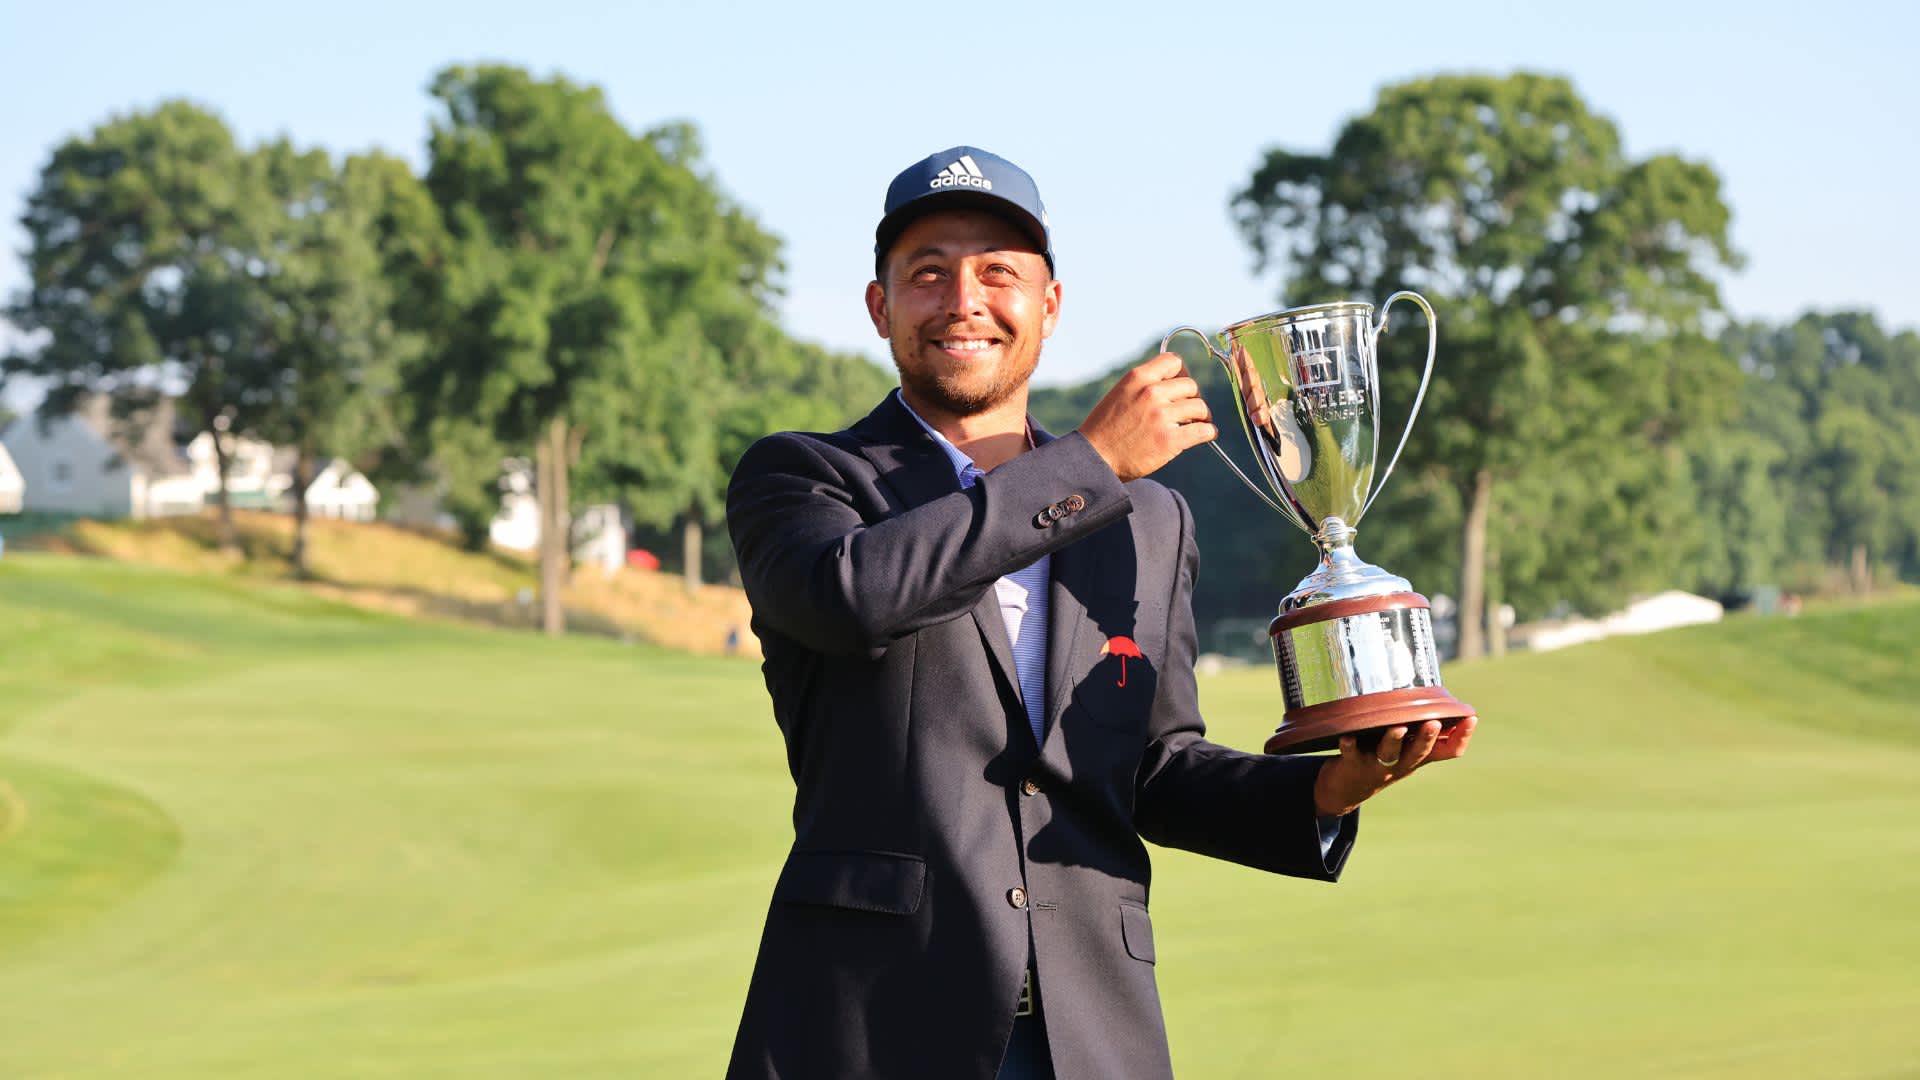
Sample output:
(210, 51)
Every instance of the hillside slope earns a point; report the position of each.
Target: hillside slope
(422, 572)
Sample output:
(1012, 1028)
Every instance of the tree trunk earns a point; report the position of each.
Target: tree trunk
(690, 536)
(556, 555)
(228, 539)
(1862, 576)
(302, 480)
(1496, 600)
(1473, 566)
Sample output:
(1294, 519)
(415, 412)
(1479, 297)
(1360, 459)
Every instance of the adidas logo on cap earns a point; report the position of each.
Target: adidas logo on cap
(962, 173)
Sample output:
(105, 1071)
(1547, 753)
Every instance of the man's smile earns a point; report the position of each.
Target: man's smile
(966, 347)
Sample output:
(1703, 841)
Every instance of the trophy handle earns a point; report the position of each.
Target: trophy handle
(1234, 381)
(1433, 344)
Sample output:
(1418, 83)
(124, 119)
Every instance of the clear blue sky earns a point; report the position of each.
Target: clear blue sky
(1138, 120)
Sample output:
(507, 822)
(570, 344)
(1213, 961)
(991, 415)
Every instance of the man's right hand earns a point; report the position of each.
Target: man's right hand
(1151, 415)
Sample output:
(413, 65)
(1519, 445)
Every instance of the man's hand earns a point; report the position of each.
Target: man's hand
(1152, 414)
(1356, 776)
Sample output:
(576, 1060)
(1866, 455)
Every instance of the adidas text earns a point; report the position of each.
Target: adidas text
(962, 173)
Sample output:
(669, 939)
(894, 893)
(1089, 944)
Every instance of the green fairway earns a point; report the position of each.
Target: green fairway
(248, 833)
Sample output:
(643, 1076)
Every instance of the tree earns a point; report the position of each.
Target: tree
(139, 272)
(1574, 288)
(1839, 399)
(323, 350)
(583, 263)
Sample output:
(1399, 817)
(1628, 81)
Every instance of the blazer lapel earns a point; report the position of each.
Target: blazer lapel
(910, 465)
(1073, 576)
(916, 471)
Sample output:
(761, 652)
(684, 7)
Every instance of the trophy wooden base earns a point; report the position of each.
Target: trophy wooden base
(1319, 727)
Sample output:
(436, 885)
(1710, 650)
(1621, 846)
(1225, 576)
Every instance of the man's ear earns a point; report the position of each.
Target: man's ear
(877, 309)
(1052, 303)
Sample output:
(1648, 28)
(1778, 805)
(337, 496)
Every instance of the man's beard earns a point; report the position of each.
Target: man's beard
(951, 394)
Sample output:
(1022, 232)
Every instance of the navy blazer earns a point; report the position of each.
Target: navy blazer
(932, 838)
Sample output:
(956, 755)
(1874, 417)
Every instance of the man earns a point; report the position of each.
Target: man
(979, 643)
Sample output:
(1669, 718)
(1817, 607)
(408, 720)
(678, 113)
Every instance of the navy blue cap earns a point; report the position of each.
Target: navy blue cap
(964, 176)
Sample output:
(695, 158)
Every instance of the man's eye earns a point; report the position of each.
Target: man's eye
(925, 273)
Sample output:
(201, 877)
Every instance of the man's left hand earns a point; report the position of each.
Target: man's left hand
(1356, 776)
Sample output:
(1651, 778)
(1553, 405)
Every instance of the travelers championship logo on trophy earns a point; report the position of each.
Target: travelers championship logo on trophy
(1354, 644)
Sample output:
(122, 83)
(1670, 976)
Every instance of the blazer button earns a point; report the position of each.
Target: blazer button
(1029, 787)
(1017, 896)
(1041, 520)
(1074, 504)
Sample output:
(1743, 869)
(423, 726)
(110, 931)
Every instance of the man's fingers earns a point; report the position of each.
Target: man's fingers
(1419, 744)
(1454, 743)
(1188, 409)
(1387, 751)
(1160, 368)
(1192, 435)
(1177, 389)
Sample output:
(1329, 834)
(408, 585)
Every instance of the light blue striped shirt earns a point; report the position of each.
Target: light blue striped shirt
(1022, 595)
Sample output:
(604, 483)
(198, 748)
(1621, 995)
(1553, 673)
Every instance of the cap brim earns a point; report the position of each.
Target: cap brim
(894, 224)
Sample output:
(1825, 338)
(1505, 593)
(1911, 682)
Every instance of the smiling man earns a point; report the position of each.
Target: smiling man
(979, 643)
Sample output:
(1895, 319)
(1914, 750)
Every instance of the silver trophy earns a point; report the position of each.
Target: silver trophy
(1354, 643)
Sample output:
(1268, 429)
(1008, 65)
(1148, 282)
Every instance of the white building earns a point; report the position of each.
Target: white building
(517, 526)
(1662, 611)
(338, 491)
(260, 477)
(11, 485)
(91, 463)
(599, 531)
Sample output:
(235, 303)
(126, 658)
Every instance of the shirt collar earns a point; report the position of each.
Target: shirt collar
(958, 458)
(960, 461)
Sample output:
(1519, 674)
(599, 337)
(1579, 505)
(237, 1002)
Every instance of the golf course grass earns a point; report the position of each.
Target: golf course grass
(248, 832)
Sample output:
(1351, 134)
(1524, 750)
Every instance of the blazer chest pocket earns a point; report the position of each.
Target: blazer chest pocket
(1111, 705)
(880, 881)
(1136, 931)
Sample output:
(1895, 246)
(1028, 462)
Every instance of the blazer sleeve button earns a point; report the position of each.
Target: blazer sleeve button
(1074, 504)
(1041, 520)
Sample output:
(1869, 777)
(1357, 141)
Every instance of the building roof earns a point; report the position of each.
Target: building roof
(143, 439)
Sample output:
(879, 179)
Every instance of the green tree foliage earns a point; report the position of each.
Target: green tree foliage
(1826, 454)
(324, 356)
(590, 271)
(140, 277)
(1574, 288)
(602, 302)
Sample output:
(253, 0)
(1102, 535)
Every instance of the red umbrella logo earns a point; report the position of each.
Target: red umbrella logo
(1122, 647)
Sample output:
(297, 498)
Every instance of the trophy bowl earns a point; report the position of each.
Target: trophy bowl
(1353, 643)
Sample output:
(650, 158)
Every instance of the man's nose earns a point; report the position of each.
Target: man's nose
(968, 295)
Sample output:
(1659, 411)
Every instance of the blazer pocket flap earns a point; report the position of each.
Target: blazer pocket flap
(1136, 929)
(880, 881)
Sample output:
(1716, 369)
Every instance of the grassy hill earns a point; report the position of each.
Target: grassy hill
(249, 831)
(413, 572)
